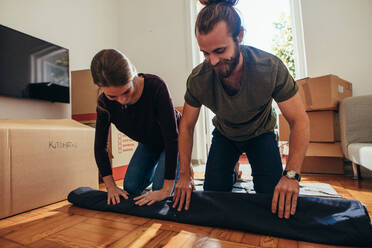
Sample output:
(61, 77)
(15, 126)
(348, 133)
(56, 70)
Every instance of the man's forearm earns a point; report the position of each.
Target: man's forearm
(185, 142)
(298, 142)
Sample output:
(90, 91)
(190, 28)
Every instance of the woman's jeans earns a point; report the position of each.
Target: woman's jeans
(145, 167)
(262, 152)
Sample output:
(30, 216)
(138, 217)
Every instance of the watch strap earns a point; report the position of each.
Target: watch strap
(296, 176)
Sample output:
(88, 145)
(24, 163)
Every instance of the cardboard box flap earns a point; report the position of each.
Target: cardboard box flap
(324, 150)
(41, 124)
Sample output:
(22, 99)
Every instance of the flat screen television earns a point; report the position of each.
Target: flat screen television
(33, 68)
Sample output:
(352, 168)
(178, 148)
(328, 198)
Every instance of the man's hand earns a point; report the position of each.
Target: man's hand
(114, 193)
(286, 192)
(183, 189)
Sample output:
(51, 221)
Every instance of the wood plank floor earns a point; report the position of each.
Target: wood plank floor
(62, 225)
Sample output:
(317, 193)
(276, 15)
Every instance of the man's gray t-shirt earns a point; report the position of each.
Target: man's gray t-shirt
(248, 113)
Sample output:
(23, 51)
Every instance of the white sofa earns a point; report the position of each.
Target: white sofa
(355, 115)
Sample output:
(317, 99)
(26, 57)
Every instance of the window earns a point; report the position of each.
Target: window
(267, 25)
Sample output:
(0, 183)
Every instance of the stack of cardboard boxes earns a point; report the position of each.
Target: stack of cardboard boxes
(84, 94)
(321, 96)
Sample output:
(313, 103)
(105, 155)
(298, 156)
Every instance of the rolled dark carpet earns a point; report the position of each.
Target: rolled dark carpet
(320, 220)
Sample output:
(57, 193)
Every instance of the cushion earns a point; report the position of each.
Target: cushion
(361, 153)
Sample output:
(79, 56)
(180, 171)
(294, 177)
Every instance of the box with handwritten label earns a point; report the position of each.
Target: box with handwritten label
(41, 161)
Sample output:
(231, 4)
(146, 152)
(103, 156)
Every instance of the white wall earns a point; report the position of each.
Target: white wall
(156, 36)
(82, 26)
(338, 38)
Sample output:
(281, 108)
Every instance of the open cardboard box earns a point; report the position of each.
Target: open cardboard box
(323, 93)
(41, 161)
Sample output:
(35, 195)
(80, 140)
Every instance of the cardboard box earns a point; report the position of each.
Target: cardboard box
(41, 161)
(324, 127)
(84, 94)
(323, 93)
(323, 158)
(122, 148)
(323, 165)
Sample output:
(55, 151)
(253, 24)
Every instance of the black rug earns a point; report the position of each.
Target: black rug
(321, 220)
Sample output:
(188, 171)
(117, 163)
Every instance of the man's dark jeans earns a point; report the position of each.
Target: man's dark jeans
(262, 152)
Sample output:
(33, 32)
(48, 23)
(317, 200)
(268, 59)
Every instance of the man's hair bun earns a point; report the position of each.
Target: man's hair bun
(227, 2)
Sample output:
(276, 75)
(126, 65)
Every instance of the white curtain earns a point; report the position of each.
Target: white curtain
(201, 132)
(298, 39)
(200, 149)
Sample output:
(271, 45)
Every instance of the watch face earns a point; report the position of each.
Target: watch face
(291, 173)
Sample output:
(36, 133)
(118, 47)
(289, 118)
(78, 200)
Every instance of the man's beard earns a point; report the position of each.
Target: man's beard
(225, 67)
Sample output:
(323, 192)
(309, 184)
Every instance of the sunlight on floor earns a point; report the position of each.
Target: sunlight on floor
(149, 234)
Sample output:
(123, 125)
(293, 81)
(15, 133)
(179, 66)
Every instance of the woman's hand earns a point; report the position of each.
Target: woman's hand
(151, 197)
(114, 193)
(157, 195)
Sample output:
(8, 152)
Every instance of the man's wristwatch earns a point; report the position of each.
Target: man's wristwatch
(291, 174)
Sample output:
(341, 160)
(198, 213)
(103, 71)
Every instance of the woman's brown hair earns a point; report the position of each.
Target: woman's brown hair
(110, 67)
(216, 11)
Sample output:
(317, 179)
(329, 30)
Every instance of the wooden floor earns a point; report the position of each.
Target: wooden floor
(63, 225)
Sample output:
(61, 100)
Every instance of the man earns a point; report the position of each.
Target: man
(238, 83)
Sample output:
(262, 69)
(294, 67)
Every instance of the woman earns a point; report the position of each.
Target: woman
(140, 106)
